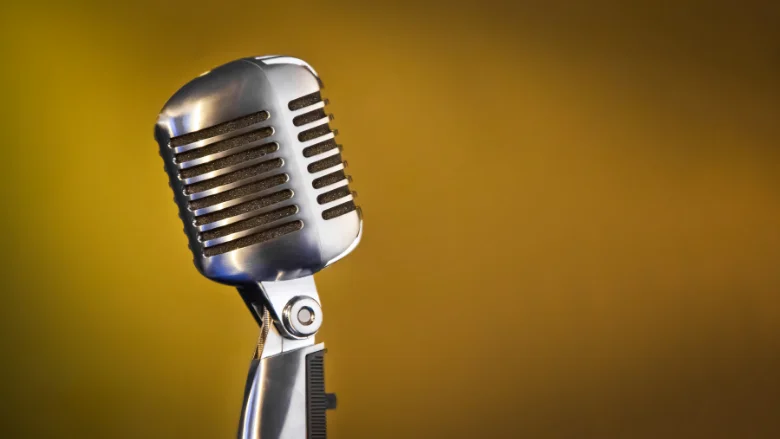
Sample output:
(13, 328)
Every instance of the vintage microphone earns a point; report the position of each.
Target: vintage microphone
(261, 189)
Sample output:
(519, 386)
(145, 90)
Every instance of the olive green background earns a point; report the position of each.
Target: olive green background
(572, 219)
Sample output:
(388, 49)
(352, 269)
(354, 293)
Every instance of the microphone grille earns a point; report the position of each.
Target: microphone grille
(257, 173)
(234, 175)
(319, 148)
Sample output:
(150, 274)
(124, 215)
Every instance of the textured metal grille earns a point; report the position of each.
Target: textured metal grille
(329, 179)
(239, 192)
(305, 101)
(235, 159)
(252, 222)
(313, 133)
(243, 208)
(256, 238)
(222, 128)
(325, 163)
(311, 116)
(339, 210)
(333, 195)
(319, 148)
(224, 145)
(232, 176)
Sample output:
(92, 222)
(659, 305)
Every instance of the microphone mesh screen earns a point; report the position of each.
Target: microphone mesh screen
(305, 101)
(319, 148)
(239, 192)
(222, 128)
(265, 235)
(240, 209)
(241, 174)
(254, 221)
(329, 179)
(224, 145)
(234, 159)
(231, 155)
(309, 117)
(325, 163)
(313, 133)
(339, 210)
(333, 195)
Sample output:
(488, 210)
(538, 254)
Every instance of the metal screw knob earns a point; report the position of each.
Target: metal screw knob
(302, 316)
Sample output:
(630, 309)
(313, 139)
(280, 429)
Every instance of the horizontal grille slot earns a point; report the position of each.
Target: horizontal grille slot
(329, 179)
(322, 147)
(239, 192)
(305, 101)
(333, 195)
(249, 223)
(309, 117)
(233, 177)
(234, 159)
(256, 238)
(313, 133)
(339, 210)
(319, 148)
(325, 163)
(249, 206)
(216, 130)
(224, 145)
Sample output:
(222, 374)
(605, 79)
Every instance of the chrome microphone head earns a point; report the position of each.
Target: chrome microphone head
(257, 173)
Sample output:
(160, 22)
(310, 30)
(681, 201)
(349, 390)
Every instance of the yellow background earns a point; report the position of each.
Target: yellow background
(572, 219)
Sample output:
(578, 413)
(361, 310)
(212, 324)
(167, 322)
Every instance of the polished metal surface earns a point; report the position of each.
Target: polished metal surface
(275, 397)
(275, 386)
(227, 93)
(206, 125)
(281, 296)
(276, 296)
(302, 316)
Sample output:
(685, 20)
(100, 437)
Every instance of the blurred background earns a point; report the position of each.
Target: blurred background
(572, 219)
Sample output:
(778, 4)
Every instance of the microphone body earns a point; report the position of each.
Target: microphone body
(262, 191)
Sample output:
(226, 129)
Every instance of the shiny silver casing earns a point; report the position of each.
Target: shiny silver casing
(232, 91)
(275, 399)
